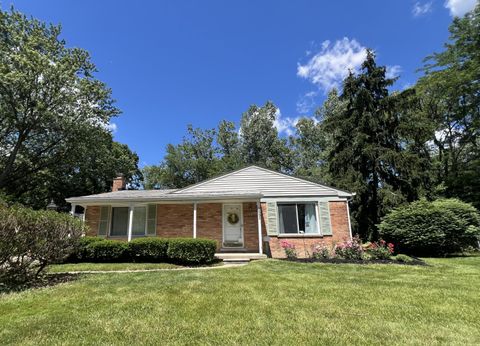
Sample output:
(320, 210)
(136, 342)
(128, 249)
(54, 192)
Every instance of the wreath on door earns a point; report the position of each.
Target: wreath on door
(232, 218)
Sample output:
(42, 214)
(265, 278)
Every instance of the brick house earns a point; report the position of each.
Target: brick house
(248, 211)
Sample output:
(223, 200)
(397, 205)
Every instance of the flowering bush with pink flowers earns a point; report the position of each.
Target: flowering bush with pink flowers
(379, 250)
(349, 249)
(321, 251)
(289, 249)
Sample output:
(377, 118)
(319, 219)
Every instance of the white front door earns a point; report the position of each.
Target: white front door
(232, 225)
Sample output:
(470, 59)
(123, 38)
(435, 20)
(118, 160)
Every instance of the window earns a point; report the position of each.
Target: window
(120, 221)
(297, 218)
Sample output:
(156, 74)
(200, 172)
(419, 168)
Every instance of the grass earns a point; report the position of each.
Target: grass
(265, 303)
(58, 268)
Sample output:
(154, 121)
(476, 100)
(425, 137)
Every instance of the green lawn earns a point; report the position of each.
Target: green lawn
(264, 303)
(57, 268)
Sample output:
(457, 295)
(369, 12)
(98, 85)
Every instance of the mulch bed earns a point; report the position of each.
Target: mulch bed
(43, 281)
(415, 261)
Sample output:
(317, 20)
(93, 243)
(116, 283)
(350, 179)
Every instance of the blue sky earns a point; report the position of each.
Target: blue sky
(174, 63)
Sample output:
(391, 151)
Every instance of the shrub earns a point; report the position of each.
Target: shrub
(436, 228)
(107, 251)
(289, 248)
(350, 249)
(81, 252)
(321, 251)
(191, 251)
(379, 250)
(30, 240)
(148, 249)
(403, 258)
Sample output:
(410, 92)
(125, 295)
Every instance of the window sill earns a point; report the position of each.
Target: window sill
(296, 235)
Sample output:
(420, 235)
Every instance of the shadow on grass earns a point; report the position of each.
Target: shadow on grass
(46, 280)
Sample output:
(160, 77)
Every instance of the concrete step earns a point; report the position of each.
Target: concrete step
(239, 257)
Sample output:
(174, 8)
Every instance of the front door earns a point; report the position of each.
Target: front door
(232, 225)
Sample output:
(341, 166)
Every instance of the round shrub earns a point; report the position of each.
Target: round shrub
(148, 249)
(107, 251)
(435, 228)
(191, 251)
(32, 239)
(81, 252)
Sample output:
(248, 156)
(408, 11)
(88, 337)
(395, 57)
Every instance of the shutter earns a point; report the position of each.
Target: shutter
(325, 224)
(152, 220)
(272, 218)
(104, 221)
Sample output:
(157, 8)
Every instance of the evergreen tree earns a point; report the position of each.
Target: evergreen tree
(366, 152)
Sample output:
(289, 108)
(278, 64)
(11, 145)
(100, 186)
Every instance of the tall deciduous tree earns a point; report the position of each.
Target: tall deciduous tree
(51, 109)
(260, 142)
(450, 93)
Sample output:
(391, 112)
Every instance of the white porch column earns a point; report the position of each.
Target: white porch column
(130, 222)
(195, 220)
(84, 213)
(259, 220)
(72, 211)
(349, 223)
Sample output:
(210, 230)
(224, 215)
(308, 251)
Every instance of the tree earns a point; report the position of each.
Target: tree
(193, 160)
(450, 94)
(229, 146)
(367, 153)
(259, 138)
(52, 110)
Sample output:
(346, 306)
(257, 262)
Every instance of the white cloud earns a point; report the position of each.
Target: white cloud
(112, 127)
(330, 66)
(285, 124)
(420, 9)
(393, 71)
(306, 102)
(459, 7)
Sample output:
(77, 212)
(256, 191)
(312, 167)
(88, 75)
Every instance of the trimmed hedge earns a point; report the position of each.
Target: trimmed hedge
(435, 228)
(191, 251)
(107, 251)
(148, 249)
(177, 250)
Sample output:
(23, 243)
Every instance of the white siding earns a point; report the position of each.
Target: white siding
(267, 182)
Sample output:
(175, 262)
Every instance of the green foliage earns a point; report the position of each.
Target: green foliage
(191, 251)
(350, 249)
(403, 258)
(432, 228)
(450, 94)
(321, 251)
(364, 151)
(107, 251)
(30, 240)
(380, 250)
(148, 249)
(81, 252)
(54, 116)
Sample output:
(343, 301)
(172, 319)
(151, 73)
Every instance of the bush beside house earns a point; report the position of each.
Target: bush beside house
(30, 240)
(176, 250)
(435, 228)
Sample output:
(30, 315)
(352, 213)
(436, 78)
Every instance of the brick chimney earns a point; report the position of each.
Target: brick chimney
(119, 183)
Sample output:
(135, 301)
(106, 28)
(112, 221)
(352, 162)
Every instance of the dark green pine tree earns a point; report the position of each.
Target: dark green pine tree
(367, 154)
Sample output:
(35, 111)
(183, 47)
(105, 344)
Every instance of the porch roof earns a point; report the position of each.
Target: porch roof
(148, 196)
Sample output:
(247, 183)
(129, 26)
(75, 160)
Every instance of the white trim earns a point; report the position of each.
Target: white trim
(304, 199)
(72, 210)
(259, 227)
(349, 223)
(317, 215)
(241, 225)
(130, 223)
(195, 220)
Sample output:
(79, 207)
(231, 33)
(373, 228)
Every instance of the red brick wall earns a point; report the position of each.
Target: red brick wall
(250, 226)
(175, 220)
(304, 246)
(209, 222)
(92, 219)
